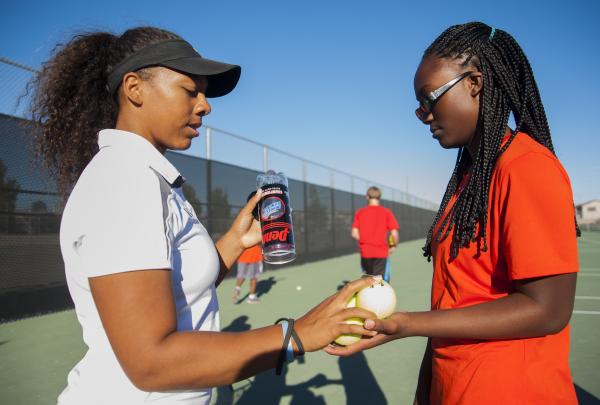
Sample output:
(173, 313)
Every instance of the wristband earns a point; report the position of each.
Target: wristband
(284, 327)
(290, 348)
(287, 333)
(295, 336)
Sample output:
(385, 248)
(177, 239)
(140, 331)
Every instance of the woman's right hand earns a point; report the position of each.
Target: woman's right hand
(325, 322)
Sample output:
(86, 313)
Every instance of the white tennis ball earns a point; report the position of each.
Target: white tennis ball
(378, 298)
(298, 287)
(350, 338)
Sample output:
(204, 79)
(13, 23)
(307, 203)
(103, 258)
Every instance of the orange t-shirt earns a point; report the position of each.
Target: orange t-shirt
(531, 233)
(251, 255)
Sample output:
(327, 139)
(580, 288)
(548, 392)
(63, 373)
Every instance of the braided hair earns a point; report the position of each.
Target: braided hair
(70, 102)
(509, 87)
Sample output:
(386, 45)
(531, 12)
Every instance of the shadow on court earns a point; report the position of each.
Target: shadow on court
(357, 379)
(585, 398)
(360, 384)
(239, 324)
(263, 286)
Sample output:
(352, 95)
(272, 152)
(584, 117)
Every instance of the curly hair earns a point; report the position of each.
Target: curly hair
(70, 102)
(509, 87)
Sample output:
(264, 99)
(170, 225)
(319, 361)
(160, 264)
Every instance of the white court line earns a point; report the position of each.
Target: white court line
(587, 312)
(591, 241)
(586, 297)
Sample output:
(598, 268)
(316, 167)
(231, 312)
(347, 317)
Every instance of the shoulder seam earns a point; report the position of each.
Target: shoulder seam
(554, 161)
(530, 152)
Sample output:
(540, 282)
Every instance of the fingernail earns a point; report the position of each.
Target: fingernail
(369, 323)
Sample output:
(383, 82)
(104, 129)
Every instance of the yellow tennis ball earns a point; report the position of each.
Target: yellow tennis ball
(378, 298)
(349, 338)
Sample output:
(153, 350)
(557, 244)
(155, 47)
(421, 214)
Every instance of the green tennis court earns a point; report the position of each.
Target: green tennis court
(37, 353)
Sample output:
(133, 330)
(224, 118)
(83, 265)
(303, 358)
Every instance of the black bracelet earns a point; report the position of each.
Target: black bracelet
(294, 335)
(286, 341)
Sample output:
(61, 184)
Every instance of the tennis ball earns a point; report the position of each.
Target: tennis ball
(349, 338)
(378, 298)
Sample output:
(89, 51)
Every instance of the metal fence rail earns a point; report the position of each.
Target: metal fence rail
(225, 146)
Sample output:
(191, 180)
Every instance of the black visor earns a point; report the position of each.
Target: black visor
(179, 55)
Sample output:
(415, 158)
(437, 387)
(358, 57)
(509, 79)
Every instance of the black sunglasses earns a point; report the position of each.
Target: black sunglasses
(427, 101)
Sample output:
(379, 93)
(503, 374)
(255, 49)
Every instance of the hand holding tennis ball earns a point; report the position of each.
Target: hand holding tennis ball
(349, 338)
(378, 298)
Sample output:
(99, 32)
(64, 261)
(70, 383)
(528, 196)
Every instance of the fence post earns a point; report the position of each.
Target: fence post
(306, 230)
(209, 227)
(332, 202)
(352, 192)
(208, 145)
(265, 159)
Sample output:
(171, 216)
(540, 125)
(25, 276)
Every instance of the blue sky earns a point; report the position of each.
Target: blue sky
(332, 81)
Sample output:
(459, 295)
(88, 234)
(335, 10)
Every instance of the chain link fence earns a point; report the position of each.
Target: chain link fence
(31, 269)
(590, 227)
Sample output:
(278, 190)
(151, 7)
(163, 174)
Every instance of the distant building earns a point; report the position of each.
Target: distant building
(588, 212)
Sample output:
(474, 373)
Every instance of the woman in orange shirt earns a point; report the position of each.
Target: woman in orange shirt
(504, 240)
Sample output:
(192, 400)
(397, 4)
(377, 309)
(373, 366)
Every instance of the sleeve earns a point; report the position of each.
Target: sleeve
(391, 221)
(538, 218)
(126, 228)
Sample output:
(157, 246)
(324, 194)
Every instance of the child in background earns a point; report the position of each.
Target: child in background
(249, 267)
(372, 227)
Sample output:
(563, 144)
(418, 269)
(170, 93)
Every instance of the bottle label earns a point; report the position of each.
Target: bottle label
(275, 216)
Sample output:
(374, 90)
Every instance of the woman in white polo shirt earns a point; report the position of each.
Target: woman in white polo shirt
(141, 268)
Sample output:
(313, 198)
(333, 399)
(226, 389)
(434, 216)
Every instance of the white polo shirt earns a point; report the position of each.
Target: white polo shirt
(127, 212)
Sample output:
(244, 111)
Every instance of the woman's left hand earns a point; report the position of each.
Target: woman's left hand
(243, 234)
(245, 228)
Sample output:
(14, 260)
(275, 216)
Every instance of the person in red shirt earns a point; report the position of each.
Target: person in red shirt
(503, 242)
(370, 228)
(249, 266)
